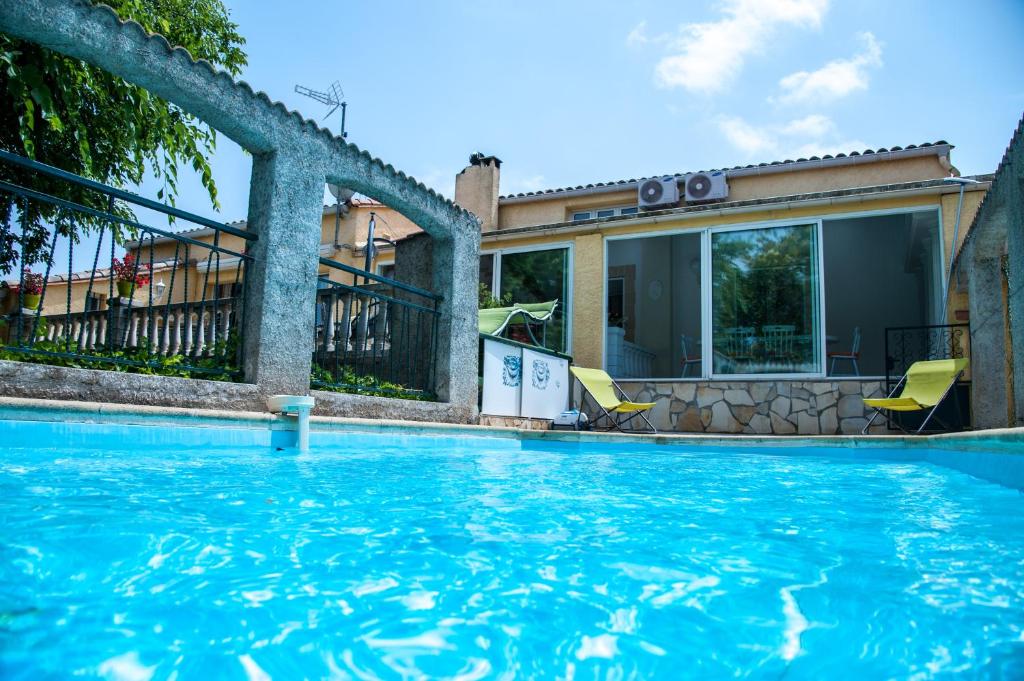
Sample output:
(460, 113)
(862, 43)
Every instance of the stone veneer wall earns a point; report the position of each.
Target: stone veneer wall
(759, 407)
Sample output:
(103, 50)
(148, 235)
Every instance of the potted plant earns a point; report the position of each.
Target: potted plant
(129, 275)
(32, 291)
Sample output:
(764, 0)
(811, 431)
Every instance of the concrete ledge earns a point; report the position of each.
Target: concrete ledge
(42, 381)
(348, 405)
(108, 389)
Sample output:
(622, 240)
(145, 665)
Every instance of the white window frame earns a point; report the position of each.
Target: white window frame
(570, 274)
(706, 314)
(592, 212)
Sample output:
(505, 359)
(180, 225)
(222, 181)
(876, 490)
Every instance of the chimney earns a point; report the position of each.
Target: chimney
(476, 189)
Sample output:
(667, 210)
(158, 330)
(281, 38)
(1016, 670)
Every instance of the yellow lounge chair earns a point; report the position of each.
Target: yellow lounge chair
(611, 398)
(925, 385)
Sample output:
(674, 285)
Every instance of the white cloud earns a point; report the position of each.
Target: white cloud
(638, 36)
(745, 137)
(814, 125)
(514, 184)
(835, 79)
(709, 55)
(813, 135)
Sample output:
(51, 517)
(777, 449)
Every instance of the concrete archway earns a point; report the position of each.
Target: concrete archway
(292, 159)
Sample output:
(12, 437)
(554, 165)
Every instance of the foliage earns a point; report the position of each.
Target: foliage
(131, 271)
(78, 117)
(219, 366)
(347, 381)
(488, 301)
(764, 277)
(536, 277)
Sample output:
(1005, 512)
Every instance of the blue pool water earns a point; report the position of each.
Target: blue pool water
(469, 558)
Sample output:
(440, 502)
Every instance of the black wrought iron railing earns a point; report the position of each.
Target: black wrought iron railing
(374, 335)
(905, 345)
(161, 301)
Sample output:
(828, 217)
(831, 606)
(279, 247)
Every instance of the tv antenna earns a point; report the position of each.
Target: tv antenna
(334, 97)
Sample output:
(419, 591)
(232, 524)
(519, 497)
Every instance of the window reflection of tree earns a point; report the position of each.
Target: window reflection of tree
(764, 277)
(537, 277)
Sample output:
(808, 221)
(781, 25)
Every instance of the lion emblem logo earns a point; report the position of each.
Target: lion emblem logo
(512, 371)
(541, 374)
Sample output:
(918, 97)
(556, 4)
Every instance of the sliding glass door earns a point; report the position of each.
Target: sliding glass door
(533, 276)
(765, 301)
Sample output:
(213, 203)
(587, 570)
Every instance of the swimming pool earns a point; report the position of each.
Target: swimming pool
(379, 555)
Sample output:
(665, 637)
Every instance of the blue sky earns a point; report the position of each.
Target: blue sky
(568, 93)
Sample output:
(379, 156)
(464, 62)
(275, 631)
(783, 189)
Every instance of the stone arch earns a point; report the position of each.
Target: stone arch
(292, 159)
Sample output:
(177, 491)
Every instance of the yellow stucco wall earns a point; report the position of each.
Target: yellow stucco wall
(550, 210)
(588, 308)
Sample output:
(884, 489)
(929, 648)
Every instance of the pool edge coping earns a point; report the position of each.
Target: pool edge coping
(35, 409)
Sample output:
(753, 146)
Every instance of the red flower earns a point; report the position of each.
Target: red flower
(127, 270)
(33, 283)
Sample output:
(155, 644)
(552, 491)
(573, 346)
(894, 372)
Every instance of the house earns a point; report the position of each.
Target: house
(758, 299)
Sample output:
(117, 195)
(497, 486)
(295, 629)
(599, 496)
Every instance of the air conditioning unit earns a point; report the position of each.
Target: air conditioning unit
(706, 186)
(658, 192)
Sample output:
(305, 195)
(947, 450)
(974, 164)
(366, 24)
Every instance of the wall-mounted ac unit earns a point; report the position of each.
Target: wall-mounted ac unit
(706, 186)
(658, 192)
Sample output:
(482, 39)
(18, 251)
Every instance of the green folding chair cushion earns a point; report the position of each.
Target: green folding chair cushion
(494, 320)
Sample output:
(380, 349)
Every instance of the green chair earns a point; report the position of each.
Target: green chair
(612, 400)
(495, 320)
(925, 385)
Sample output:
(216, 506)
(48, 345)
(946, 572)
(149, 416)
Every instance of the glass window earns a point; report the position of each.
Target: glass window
(580, 216)
(386, 271)
(896, 262)
(629, 211)
(605, 213)
(487, 270)
(653, 328)
(538, 277)
(764, 302)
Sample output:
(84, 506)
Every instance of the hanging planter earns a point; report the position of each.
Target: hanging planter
(31, 301)
(129, 274)
(125, 289)
(32, 291)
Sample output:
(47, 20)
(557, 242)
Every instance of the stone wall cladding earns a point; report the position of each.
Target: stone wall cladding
(774, 407)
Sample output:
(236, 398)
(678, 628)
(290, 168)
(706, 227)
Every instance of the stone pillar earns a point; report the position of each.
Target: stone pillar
(456, 273)
(285, 206)
(436, 265)
(988, 344)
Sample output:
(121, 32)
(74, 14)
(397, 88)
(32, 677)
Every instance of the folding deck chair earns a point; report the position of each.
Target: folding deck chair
(495, 320)
(925, 385)
(612, 399)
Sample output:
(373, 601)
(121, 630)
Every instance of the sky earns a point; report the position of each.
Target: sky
(569, 93)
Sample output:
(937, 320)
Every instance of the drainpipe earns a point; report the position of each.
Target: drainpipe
(963, 182)
(369, 244)
(337, 222)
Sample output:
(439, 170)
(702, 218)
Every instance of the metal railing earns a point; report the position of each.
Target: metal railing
(374, 335)
(171, 305)
(905, 345)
